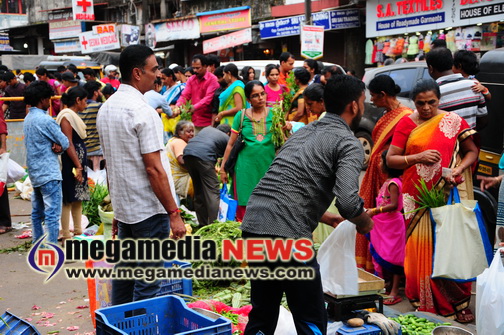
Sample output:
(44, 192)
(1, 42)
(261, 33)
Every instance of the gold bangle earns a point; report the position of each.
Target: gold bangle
(381, 209)
(406, 160)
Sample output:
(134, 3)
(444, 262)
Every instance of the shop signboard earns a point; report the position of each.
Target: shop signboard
(67, 46)
(386, 17)
(227, 41)
(344, 19)
(5, 42)
(91, 42)
(83, 10)
(329, 20)
(222, 20)
(312, 41)
(130, 35)
(65, 29)
(186, 29)
(13, 20)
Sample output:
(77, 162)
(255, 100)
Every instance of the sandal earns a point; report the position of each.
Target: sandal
(4, 230)
(392, 300)
(465, 316)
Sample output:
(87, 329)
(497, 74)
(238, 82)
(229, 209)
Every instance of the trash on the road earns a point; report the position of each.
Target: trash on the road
(35, 307)
(73, 328)
(25, 234)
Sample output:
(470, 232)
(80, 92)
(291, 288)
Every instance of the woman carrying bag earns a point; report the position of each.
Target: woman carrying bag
(423, 143)
(258, 152)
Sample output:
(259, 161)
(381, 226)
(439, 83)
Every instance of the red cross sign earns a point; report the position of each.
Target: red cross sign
(84, 42)
(84, 4)
(83, 10)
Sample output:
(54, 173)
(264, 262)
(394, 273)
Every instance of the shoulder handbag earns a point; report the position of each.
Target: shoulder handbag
(238, 145)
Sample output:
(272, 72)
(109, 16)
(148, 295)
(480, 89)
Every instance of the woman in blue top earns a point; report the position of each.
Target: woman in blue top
(232, 99)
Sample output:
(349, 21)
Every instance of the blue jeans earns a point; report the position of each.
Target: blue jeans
(123, 291)
(46, 207)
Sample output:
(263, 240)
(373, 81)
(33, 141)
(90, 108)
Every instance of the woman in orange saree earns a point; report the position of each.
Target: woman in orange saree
(383, 91)
(424, 143)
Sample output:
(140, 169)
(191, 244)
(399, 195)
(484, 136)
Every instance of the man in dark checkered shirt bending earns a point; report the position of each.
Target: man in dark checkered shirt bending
(319, 162)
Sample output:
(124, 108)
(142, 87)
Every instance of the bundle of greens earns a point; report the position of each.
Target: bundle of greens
(185, 111)
(90, 207)
(428, 198)
(287, 96)
(278, 135)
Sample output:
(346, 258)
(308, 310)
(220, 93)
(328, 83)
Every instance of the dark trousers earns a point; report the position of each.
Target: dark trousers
(5, 218)
(123, 291)
(206, 189)
(305, 299)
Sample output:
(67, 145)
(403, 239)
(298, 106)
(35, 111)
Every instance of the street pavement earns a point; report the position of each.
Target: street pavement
(61, 303)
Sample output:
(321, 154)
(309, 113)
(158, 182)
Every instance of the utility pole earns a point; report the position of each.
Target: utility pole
(307, 12)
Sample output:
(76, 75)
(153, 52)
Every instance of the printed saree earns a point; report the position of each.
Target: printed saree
(443, 132)
(374, 177)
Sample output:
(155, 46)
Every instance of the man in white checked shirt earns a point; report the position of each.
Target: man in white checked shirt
(140, 182)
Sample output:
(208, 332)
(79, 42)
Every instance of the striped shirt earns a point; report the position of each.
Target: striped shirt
(320, 161)
(88, 115)
(457, 96)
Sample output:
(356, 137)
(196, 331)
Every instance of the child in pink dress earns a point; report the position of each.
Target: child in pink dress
(388, 237)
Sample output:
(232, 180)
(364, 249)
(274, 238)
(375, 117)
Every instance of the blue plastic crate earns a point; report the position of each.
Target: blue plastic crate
(166, 315)
(366, 329)
(172, 286)
(12, 325)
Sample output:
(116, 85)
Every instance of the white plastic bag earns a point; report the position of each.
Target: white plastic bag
(336, 257)
(490, 298)
(4, 162)
(285, 324)
(14, 172)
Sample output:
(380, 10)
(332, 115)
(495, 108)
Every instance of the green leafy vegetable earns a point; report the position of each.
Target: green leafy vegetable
(428, 198)
(278, 135)
(185, 111)
(90, 207)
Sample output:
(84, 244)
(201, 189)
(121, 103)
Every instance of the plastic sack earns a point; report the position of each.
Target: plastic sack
(14, 172)
(336, 256)
(490, 298)
(285, 324)
(227, 206)
(4, 163)
(459, 224)
(24, 189)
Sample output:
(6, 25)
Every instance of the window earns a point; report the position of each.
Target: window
(426, 74)
(405, 79)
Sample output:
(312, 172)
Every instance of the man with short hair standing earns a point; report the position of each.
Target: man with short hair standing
(17, 109)
(140, 183)
(43, 140)
(200, 90)
(286, 65)
(457, 94)
(319, 162)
